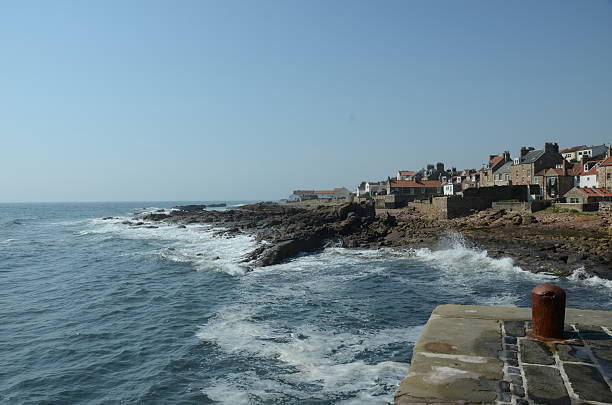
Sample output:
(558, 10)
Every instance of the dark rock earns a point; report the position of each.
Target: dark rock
(588, 383)
(190, 208)
(546, 385)
(535, 352)
(503, 386)
(510, 340)
(516, 379)
(595, 336)
(514, 370)
(572, 353)
(155, 217)
(515, 328)
(518, 390)
(604, 358)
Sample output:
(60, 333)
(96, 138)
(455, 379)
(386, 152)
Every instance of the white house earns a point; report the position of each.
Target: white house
(452, 188)
(361, 189)
(373, 187)
(586, 175)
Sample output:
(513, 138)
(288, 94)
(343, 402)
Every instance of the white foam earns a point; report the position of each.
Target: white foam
(458, 256)
(581, 276)
(328, 360)
(196, 244)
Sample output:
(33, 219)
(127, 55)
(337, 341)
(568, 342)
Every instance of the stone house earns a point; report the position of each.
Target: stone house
(532, 161)
(554, 182)
(580, 195)
(503, 175)
(472, 180)
(488, 174)
(604, 174)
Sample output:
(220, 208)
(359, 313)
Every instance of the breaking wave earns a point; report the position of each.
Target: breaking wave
(581, 276)
(197, 245)
(324, 345)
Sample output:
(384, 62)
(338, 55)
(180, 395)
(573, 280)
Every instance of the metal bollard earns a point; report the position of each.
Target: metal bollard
(547, 312)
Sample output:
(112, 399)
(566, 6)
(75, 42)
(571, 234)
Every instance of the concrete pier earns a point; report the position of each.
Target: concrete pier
(484, 355)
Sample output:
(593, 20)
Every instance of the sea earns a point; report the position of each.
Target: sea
(95, 311)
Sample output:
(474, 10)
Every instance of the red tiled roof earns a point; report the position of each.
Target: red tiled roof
(607, 162)
(406, 172)
(596, 192)
(496, 160)
(409, 183)
(579, 170)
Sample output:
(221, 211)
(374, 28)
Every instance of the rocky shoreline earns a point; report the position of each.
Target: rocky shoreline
(550, 242)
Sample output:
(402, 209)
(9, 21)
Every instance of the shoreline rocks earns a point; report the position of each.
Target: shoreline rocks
(546, 242)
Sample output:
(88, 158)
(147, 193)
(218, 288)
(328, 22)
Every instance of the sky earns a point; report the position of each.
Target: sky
(248, 100)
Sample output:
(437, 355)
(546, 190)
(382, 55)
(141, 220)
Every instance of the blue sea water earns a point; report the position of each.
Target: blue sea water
(95, 311)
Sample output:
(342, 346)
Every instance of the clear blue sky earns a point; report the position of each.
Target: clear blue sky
(199, 100)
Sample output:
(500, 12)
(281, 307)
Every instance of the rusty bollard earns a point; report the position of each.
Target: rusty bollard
(547, 312)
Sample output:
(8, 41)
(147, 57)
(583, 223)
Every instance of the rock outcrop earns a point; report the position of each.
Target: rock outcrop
(545, 241)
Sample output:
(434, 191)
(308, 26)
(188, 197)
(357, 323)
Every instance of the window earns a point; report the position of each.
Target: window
(535, 180)
(507, 176)
(609, 176)
(574, 200)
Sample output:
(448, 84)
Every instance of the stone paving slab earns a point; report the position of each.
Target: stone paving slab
(484, 355)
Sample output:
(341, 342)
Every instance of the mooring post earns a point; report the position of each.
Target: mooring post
(547, 312)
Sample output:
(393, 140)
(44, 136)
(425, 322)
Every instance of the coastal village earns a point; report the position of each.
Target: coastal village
(577, 178)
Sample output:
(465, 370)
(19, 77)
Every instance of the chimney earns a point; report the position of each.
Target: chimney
(524, 151)
(507, 156)
(440, 166)
(551, 147)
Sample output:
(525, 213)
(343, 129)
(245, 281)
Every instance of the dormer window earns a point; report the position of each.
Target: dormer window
(516, 161)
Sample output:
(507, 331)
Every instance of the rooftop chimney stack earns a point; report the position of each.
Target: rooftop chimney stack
(551, 147)
(524, 151)
(507, 156)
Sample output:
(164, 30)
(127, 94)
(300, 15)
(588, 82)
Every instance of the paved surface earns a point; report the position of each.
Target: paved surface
(484, 355)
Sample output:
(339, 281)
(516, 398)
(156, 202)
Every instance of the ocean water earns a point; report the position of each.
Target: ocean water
(94, 311)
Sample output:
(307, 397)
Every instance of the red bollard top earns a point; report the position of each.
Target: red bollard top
(547, 312)
(548, 290)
